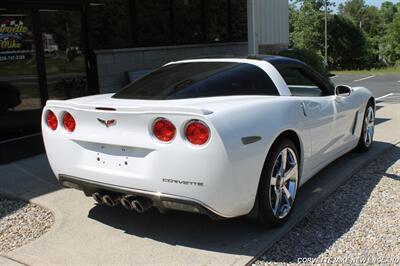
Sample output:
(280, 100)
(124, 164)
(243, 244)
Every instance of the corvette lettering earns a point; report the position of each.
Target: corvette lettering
(183, 182)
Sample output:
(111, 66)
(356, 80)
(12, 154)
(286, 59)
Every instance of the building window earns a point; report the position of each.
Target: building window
(141, 23)
(217, 22)
(187, 21)
(110, 24)
(151, 22)
(238, 20)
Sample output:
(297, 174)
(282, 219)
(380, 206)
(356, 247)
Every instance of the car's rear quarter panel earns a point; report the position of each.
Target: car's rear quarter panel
(267, 117)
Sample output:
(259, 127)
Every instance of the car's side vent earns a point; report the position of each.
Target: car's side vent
(355, 124)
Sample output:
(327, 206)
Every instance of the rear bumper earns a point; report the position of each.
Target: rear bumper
(89, 187)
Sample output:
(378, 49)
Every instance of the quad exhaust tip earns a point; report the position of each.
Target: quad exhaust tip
(126, 202)
(139, 205)
(98, 198)
(129, 202)
(110, 201)
(105, 199)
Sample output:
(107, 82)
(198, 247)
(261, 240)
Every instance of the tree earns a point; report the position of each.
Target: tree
(388, 39)
(371, 20)
(388, 11)
(391, 44)
(359, 36)
(354, 9)
(347, 49)
(110, 23)
(64, 26)
(307, 24)
(372, 24)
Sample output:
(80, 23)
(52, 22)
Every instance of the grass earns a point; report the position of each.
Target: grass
(374, 71)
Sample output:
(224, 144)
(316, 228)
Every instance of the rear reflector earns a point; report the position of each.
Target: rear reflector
(51, 120)
(179, 206)
(197, 132)
(164, 130)
(69, 122)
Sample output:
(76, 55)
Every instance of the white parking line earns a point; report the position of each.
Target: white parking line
(357, 80)
(384, 96)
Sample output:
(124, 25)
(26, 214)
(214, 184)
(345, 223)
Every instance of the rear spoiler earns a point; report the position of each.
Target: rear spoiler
(148, 109)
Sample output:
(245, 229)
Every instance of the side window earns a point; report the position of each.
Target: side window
(299, 84)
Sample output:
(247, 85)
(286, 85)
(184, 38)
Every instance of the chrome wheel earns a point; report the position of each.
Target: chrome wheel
(369, 126)
(283, 185)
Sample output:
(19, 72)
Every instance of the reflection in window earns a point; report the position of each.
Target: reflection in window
(187, 21)
(19, 91)
(217, 21)
(239, 20)
(110, 23)
(64, 53)
(140, 23)
(152, 22)
(299, 84)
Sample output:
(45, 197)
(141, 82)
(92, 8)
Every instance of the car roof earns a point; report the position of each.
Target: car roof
(272, 59)
(277, 59)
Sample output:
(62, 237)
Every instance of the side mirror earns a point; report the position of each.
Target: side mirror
(343, 90)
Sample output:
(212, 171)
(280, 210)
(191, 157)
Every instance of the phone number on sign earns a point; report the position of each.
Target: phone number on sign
(11, 57)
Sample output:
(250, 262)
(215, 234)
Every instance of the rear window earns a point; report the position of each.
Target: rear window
(200, 79)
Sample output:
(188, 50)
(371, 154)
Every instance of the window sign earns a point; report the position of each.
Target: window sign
(16, 39)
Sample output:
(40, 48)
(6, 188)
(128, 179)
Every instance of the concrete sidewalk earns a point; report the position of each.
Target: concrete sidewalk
(89, 234)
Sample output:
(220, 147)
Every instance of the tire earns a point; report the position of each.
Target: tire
(367, 130)
(268, 212)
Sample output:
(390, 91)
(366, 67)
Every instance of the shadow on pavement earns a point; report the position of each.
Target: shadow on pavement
(8, 206)
(28, 178)
(182, 229)
(381, 120)
(238, 236)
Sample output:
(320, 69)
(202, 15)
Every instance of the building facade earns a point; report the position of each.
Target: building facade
(58, 49)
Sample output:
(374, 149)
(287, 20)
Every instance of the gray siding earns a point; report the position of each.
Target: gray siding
(271, 24)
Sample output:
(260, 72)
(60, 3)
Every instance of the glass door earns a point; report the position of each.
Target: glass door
(20, 101)
(64, 53)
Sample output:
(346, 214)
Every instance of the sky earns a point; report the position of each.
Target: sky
(376, 3)
(369, 2)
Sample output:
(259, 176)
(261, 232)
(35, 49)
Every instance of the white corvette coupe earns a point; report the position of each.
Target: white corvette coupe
(223, 137)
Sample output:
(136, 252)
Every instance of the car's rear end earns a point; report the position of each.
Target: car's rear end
(171, 147)
(175, 152)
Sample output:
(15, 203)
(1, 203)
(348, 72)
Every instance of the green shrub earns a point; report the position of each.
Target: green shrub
(309, 57)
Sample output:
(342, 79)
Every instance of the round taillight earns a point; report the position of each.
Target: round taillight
(69, 122)
(197, 132)
(164, 130)
(51, 120)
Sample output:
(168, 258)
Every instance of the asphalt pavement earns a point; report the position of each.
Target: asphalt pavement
(380, 85)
